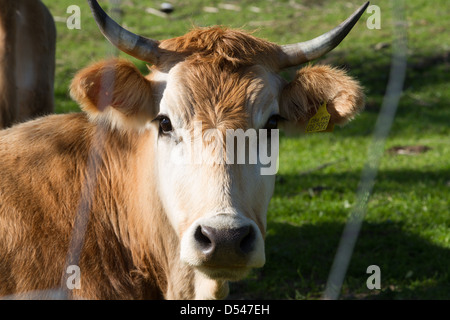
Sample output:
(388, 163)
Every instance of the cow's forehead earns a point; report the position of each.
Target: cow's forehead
(218, 96)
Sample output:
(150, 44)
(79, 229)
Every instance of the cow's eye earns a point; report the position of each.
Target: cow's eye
(272, 122)
(165, 126)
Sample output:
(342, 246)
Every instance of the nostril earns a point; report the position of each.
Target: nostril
(225, 243)
(247, 241)
(203, 236)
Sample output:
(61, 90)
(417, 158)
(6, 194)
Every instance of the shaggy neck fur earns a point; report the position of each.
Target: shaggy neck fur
(66, 166)
(127, 224)
(129, 229)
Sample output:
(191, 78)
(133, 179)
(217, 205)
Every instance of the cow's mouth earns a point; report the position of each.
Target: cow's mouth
(232, 273)
(223, 247)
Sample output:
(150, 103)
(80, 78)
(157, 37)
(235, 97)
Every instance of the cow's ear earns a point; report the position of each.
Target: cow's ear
(114, 92)
(312, 87)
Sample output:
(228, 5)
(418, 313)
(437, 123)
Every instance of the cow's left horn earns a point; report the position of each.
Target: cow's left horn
(298, 53)
(141, 48)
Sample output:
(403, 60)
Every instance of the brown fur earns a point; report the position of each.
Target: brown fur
(115, 83)
(27, 60)
(44, 167)
(220, 46)
(217, 97)
(314, 85)
(95, 164)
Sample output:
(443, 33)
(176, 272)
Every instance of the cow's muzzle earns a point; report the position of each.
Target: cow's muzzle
(223, 246)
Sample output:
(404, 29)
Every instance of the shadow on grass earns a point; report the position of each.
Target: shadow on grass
(299, 259)
(391, 181)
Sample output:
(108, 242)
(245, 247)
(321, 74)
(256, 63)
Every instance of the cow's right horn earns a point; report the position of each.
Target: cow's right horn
(141, 48)
(298, 53)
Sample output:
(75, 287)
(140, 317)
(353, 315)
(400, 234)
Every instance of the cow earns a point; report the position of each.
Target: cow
(27, 60)
(101, 195)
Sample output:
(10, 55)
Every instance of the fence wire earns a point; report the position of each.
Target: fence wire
(94, 160)
(374, 153)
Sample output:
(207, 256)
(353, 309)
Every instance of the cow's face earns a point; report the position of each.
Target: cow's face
(212, 182)
(212, 95)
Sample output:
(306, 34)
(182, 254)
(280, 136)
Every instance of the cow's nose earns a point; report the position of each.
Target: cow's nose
(225, 243)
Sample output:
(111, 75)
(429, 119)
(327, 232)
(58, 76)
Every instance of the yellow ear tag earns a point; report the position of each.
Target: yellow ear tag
(320, 122)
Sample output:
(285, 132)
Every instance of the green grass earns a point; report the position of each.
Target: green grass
(406, 231)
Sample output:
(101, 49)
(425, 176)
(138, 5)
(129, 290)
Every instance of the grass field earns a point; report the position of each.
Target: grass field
(407, 227)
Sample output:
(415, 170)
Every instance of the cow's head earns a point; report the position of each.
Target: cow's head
(205, 90)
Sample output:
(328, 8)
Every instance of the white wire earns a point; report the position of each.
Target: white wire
(374, 154)
(89, 187)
